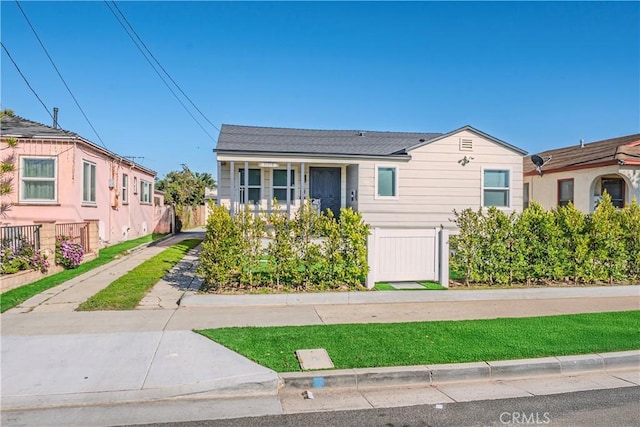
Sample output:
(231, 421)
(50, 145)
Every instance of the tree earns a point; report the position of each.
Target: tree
(185, 188)
(7, 168)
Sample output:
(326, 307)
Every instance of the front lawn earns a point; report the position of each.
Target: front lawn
(126, 291)
(17, 296)
(420, 343)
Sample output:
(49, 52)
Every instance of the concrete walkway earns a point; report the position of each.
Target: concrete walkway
(53, 356)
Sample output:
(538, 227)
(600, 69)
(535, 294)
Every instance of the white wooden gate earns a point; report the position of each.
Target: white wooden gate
(407, 254)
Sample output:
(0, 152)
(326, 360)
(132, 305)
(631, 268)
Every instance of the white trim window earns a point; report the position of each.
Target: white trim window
(125, 189)
(254, 187)
(38, 179)
(496, 188)
(145, 192)
(386, 182)
(88, 182)
(279, 184)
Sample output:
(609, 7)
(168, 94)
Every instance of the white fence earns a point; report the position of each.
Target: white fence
(408, 254)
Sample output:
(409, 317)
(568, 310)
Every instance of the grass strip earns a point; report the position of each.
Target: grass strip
(126, 291)
(17, 296)
(402, 344)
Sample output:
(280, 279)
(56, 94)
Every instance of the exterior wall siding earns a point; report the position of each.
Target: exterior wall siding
(433, 183)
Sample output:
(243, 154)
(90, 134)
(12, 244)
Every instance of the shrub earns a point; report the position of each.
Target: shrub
(311, 251)
(20, 255)
(68, 253)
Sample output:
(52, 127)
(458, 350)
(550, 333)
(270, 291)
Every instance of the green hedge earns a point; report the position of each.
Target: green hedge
(539, 246)
(311, 251)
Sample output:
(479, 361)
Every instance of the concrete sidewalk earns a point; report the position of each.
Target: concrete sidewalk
(53, 356)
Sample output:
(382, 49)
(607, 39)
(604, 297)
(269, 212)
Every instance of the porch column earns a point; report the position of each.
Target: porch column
(218, 175)
(232, 188)
(246, 184)
(301, 181)
(288, 189)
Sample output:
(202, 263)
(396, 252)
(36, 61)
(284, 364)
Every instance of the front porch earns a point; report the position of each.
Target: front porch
(259, 184)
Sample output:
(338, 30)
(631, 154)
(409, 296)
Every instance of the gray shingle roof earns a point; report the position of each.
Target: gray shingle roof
(23, 128)
(19, 126)
(234, 138)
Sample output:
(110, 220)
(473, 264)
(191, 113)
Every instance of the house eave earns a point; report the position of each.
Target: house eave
(578, 167)
(401, 157)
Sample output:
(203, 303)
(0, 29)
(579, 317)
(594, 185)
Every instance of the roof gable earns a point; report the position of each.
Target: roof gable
(620, 150)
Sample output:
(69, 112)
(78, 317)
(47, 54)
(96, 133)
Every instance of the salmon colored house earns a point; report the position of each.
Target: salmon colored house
(62, 177)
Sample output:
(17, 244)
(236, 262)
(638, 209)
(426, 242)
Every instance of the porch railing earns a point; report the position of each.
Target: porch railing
(77, 232)
(15, 235)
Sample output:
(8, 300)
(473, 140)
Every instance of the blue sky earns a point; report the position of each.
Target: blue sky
(538, 75)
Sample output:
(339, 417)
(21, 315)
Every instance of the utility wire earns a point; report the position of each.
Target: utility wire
(157, 72)
(25, 80)
(60, 75)
(160, 65)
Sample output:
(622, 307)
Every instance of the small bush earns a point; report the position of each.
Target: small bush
(68, 254)
(19, 256)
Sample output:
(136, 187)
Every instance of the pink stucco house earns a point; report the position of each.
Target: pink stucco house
(62, 177)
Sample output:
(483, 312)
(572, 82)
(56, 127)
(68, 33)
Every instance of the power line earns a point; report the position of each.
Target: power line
(25, 80)
(161, 67)
(157, 72)
(60, 75)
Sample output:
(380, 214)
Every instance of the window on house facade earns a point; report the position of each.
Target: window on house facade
(125, 189)
(255, 186)
(616, 189)
(280, 184)
(496, 186)
(565, 191)
(88, 182)
(525, 195)
(145, 191)
(386, 181)
(38, 179)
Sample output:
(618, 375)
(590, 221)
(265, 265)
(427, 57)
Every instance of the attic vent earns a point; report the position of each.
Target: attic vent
(466, 144)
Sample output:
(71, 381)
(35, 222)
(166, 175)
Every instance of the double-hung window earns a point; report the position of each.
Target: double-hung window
(254, 186)
(386, 182)
(88, 182)
(38, 179)
(496, 186)
(125, 189)
(565, 191)
(145, 192)
(280, 184)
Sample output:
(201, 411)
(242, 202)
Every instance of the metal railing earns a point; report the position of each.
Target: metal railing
(77, 232)
(15, 235)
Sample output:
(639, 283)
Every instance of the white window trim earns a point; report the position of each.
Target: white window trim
(241, 186)
(376, 196)
(55, 180)
(294, 175)
(142, 193)
(95, 172)
(509, 188)
(125, 189)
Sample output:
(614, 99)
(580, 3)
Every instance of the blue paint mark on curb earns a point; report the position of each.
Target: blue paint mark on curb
(318, 382)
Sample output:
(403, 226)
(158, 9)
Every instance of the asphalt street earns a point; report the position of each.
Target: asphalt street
(612, 408)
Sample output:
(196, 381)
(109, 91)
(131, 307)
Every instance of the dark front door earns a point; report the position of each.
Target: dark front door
(324, 184)
(615, 188)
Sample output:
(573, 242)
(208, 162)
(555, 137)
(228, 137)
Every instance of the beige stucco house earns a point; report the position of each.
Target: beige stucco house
(393, 178)
(582, 172)
(62, 177)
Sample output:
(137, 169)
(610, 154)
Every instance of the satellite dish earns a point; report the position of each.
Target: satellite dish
(537, 160)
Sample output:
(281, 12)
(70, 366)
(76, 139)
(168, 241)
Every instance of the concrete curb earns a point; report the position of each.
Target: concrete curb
(462, 372)
(382, 297)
